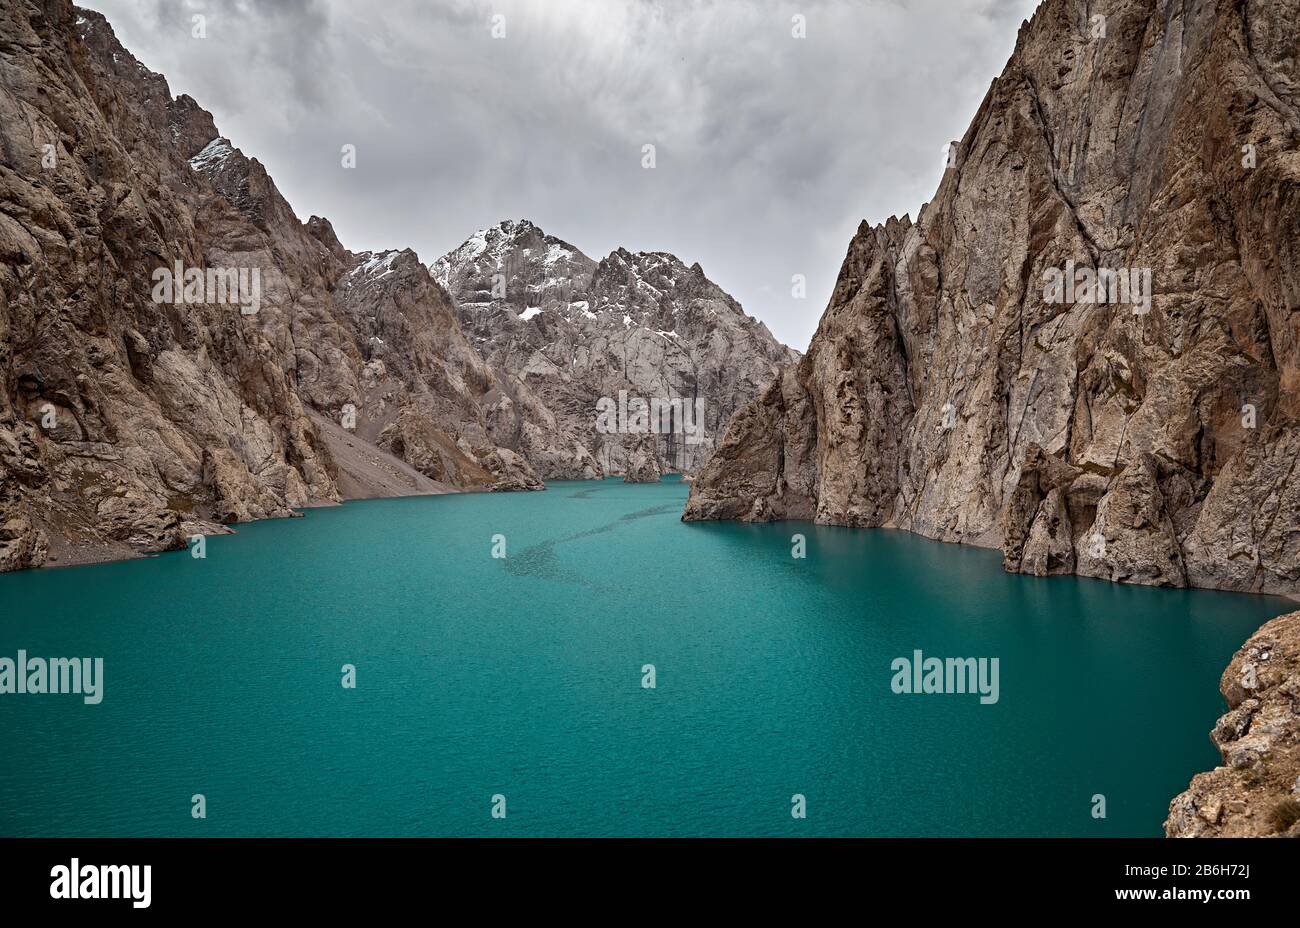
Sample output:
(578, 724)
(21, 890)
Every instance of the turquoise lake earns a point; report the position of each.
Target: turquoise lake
(478, 676)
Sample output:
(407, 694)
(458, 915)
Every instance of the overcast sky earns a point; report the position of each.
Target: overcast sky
(769, 149)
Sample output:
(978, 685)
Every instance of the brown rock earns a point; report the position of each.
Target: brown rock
(1257, 792)
(126, 413)
(947, 391)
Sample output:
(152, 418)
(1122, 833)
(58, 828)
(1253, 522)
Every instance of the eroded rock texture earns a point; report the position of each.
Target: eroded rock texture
(1257, 791)
(569, 331)
(948, 394)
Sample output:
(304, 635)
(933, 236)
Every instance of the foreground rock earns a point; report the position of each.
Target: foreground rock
(952, 392)
(1257, 792)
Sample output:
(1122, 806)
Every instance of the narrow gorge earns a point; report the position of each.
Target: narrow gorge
(1079, 364)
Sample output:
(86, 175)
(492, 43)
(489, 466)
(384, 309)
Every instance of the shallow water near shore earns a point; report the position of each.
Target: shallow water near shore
(522, 677)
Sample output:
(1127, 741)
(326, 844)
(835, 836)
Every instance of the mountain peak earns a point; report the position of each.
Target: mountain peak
(517, 226)
(569, 329)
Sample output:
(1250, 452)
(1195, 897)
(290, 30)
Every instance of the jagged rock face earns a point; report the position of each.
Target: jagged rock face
(118, 413)
(129, 420)
(423, 393)
(1257, 792)
(950, 390)
(568, 331)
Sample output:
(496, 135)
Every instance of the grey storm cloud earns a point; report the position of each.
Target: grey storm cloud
(770, 149)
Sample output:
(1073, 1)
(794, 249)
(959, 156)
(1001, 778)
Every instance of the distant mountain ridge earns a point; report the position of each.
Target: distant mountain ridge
(574, 330)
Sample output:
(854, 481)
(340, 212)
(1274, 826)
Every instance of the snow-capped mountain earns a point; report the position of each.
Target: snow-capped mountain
(575, 332)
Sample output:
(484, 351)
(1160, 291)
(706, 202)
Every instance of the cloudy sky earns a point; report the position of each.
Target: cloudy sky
(770, 149)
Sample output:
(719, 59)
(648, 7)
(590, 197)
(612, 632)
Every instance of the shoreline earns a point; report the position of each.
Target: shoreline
(1293, 597)
(128, 554)
(67, 554)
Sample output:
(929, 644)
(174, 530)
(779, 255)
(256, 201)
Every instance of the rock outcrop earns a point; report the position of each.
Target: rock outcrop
(970, 382)
(566, 332)
(643, 464)
(1257, 792)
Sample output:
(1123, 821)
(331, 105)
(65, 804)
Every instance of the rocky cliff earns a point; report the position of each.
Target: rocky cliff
(177, 349)
(1257, 792)
(572, 331)
(1086, 349)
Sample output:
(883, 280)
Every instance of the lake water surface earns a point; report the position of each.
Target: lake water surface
(522, 677)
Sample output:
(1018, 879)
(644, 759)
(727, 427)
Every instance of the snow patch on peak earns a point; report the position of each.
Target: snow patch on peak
(530, 312)
(475, 245)
(214, 155)
(375, 264)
